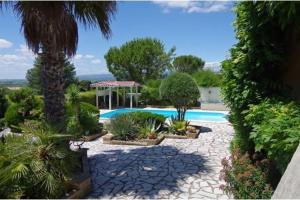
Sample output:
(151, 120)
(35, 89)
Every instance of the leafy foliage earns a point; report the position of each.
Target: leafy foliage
(84, 85)
(181, 90)
(178, 127)
(142, 118)
(254, 70)
(34, 165)
(275, 130)
(207, 78)
(123, 127)
(33, 75)
(139, 60)
(24, 105)
(88, 97)
(244, 179)
(136, 125)
(82, 116)
(3, 102)
(150, 93)
(187, 64)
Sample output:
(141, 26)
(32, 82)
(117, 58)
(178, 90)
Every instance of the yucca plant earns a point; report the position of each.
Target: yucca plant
(149, 129)
(35, 164)
(178, 127)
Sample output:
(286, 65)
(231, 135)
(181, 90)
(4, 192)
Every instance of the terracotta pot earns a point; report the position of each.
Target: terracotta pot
(152, 136)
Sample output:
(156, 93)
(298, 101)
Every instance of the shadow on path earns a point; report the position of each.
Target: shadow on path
(144, 172)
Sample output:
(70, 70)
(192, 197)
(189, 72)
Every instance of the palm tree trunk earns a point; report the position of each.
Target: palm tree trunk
(52, 74)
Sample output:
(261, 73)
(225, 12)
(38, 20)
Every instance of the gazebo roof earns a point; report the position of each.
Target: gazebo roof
(116, 84)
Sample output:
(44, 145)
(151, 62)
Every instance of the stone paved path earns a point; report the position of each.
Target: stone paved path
(174, 169)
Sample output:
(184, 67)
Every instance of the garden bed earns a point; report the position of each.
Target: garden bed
(109, 139)
(92, 137)
(80, 184)
(189, 135)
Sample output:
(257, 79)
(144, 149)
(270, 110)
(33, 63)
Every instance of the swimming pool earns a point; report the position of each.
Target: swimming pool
(190, 114)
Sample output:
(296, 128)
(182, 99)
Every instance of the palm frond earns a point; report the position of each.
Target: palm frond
(94, 13)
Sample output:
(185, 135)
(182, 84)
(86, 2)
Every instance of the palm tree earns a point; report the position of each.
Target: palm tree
(50, 29)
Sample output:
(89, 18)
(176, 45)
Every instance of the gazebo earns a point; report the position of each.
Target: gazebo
(105, 88)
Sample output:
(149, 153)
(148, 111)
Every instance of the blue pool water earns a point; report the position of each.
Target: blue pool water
(190, 115)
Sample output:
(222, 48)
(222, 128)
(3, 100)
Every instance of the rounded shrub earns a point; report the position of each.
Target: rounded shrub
(181, 90)
(13, 116)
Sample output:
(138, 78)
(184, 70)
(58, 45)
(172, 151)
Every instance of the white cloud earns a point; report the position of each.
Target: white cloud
(96, 61)
(78, 56)
(189, 6)
(89, 56)
(5, 43)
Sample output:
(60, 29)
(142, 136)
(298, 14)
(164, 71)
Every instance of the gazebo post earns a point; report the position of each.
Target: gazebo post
(124, 96)
(131, 97)
(117, 96)
(136, 97)
(97, 97)
(109, 98)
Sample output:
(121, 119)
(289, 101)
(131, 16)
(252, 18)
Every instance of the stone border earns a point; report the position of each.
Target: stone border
(88, 138)
(80, 183)
(109, 139)
(189, 135)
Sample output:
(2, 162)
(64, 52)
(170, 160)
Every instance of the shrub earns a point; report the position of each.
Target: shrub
(24, 105)
(207, 78)
(244, 179)
(275, 130)
(123, 127)
(89, 122)
(149, 130)
(13, 116)
(3, 102)
(142, 118)
(150, 93)
(89, 108)
(88, 97)
(36, 164)
(181, 91)
(178, 127)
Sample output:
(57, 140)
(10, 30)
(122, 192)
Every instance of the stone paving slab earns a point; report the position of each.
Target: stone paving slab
(175, 169)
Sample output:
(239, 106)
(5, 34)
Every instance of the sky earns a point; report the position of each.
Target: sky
(204, 29)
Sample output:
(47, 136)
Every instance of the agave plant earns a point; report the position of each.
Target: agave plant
(149, 129)
(35, 164)
(178, 126)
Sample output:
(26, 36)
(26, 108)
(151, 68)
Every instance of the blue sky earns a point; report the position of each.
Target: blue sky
(202, 29)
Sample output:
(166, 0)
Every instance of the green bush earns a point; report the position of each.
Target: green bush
(150, 93)
(24, 104)
(88, 97)
(275, 130)
(13, 117)
(181, 90)
(243, 179)
(3, 102)
(207, 78)
(143, 117)
(123, 127)
(89, 108)
(89, 122)
(36, 164)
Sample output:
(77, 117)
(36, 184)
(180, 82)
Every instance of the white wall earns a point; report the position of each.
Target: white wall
(210, 95)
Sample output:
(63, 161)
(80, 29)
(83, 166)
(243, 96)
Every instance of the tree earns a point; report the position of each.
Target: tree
(207, 78)
(188, 64)
(50, 28)
(181, 91)
(139, 60)
(33, 75)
